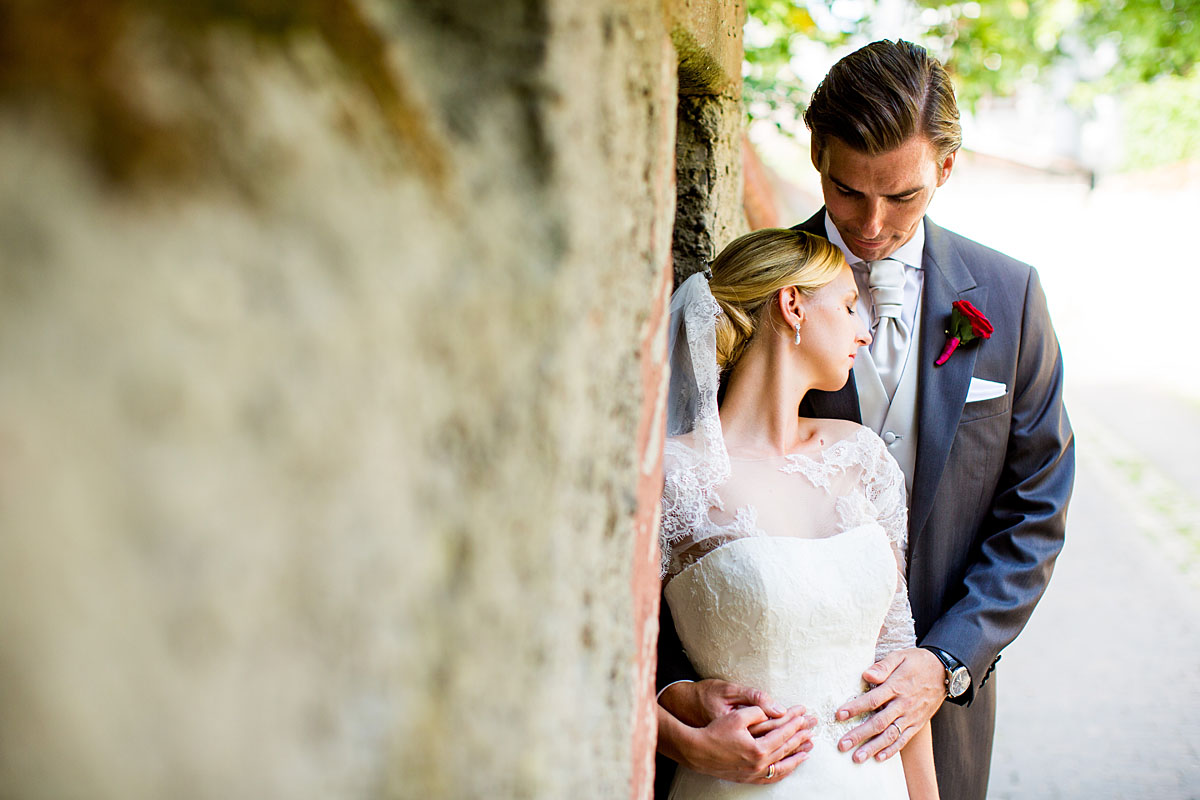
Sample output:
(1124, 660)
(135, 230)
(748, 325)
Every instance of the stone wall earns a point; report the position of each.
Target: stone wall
(710, 126)
(330, 357)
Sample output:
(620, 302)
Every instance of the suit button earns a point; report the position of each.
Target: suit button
(889, 437)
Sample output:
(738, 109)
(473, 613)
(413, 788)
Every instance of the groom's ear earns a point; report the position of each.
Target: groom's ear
(814, 152)
(946, 166)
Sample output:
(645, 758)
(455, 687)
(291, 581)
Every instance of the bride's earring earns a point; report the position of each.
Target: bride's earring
(797, 333)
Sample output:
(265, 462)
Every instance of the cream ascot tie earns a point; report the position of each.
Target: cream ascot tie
(889, 346)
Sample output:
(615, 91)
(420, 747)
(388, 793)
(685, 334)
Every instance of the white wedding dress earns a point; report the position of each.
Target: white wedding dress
(787, 575)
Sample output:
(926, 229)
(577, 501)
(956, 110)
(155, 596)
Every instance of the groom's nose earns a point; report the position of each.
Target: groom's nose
(872, 219)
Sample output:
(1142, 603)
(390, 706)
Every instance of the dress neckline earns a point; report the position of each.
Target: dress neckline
(812, 454)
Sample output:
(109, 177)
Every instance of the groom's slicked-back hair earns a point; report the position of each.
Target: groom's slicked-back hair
(880, 95)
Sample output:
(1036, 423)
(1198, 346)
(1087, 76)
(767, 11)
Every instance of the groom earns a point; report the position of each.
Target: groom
(983, 439)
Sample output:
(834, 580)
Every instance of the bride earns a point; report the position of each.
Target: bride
(783, 538)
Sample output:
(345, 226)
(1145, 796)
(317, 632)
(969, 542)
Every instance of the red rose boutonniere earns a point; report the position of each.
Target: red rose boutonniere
(967, 323)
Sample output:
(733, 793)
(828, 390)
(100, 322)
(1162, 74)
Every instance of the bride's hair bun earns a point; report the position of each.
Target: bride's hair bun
(753, 268)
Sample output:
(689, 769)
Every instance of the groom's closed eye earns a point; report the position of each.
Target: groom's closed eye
(905, 195)
(901, 197)
(841, 187)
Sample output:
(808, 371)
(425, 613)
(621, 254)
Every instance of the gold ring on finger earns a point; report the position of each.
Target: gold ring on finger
(770, 772)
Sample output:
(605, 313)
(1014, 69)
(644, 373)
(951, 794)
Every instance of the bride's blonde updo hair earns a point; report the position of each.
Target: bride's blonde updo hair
(753, 268)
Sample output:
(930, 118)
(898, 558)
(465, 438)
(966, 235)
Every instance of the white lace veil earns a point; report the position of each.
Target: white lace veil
(692, 409)
(695, 379)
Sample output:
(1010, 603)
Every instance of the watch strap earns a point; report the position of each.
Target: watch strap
(951, 665)
(948, 661)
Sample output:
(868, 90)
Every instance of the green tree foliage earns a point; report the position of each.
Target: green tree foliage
(1153, 37)
(1145, 51)
(772, 90)
(1163, 121)
(1157, 43)
(990, 46)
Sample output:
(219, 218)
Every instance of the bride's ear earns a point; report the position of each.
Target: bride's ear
(791, 306)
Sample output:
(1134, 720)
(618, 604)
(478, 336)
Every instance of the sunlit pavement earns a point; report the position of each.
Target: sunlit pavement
(1099, 695)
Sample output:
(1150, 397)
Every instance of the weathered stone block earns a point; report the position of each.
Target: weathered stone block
(708, 38)
(326, 357)
(708, 168)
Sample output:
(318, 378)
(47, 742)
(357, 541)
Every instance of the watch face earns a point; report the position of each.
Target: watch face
(960, 681)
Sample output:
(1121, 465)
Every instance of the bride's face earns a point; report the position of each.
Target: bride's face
(832, 331)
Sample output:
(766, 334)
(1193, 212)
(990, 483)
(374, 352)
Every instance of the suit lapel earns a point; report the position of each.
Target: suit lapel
(814, 224)
(942, 390)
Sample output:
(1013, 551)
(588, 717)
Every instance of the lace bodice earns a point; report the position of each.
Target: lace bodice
(796, 618)
(816, 494)
(788, 575)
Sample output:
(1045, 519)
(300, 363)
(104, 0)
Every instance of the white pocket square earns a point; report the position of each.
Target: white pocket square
(985, 390)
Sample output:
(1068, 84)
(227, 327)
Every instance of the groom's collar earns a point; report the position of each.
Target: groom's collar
(910, 254)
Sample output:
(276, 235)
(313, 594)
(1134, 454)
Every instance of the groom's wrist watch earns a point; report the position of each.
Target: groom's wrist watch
(958, 677)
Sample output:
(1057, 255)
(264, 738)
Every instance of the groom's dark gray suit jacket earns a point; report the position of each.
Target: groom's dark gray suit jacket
(990, 490)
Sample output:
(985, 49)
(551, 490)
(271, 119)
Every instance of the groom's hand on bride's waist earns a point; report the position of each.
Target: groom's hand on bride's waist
(910, 686)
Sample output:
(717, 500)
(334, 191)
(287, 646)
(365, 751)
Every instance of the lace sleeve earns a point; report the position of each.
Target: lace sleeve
(674, 523)
(684, 505)
(884, 485)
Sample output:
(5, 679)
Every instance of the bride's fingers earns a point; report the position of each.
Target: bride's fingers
(801, 741)
(801, 737)
(750, 715)
(785, 767)
(759, 731)
(776, 743)
(769, 725)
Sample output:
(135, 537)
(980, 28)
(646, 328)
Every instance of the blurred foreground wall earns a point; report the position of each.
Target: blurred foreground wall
(330, 372)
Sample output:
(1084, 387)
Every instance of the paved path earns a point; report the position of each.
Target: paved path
(1100, 696)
